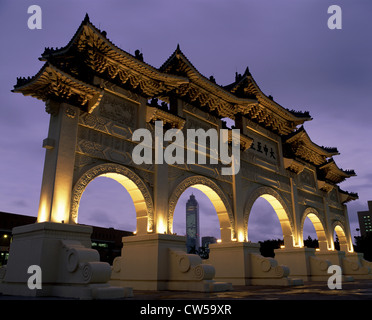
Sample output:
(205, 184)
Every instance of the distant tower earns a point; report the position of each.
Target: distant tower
(192, 225)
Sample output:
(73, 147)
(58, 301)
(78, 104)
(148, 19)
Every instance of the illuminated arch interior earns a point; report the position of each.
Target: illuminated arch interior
(209, 222)
(219, 206)
(344, 246)
(282, 215)
(263, 223)
(135, 194)
(319, 230)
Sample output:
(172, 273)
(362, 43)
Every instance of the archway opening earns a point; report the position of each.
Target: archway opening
(313, 233)
(209, 229)
(340, 239)
(309, 233)
(105, 203)
(108, 207)
(267, 224)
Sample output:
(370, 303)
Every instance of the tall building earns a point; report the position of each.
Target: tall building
(365, 220)
(192, 225)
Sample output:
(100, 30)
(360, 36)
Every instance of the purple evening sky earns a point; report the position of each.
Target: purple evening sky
(287, 45)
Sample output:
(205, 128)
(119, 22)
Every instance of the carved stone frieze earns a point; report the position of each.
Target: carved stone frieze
(120, 110)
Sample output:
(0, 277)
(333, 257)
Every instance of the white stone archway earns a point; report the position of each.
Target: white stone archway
(345, 245)
(279, 206)
(130, 181)
(215, 195)
(318, 223)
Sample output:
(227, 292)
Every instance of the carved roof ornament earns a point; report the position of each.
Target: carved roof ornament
(50, 83)
(299, 144)
(156, 114)
(331, 172)
(293, 165)
(267, 112)
(90, 54)
(202, 89)
(323, 185)
(347, 196)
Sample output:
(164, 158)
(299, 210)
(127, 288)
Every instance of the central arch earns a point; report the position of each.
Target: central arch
(280, 207)
(215, 195)
(130, 181)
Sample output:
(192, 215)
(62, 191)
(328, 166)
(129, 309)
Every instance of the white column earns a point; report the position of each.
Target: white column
(55, 197)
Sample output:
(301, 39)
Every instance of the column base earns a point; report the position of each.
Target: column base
(303, 263)
(160, 262)
(69, 268)
(242, 264)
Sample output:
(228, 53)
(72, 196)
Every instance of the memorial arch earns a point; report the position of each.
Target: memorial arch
(94, 113)
(98, 95)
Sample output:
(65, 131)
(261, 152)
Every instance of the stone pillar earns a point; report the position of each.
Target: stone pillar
(328, 227)
(55, 197)
(297, 238)
(160, 183)
(142, 109)
(350, 247)
(161, 198)
(238, 208)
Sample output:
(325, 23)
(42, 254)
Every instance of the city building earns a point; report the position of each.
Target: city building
(365, 220)
(107, 241)
(192, 225)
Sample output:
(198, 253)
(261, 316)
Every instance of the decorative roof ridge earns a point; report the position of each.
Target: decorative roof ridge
(22, 82)
(331, 162)
(300, 132)
(347, 196)
(103, 35)
(51, 51)
(247, 75)
(178, 54)
(353, 194)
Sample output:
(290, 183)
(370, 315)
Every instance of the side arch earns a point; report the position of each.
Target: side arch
(217, 197)
(318, 223)
(280, 207)
(345, 244)
(130, 181)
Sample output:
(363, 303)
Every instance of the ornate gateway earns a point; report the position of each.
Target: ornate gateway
(97, 95)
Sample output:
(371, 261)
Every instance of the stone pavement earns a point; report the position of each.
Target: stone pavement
(356, 290)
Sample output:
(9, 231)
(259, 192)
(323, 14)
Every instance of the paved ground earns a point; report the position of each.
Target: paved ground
(356, 290)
